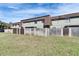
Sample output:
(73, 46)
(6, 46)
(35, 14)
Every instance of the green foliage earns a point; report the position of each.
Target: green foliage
(4, 25)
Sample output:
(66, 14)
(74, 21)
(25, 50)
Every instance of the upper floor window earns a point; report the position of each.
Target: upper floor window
(13, 25)
(69, 19)
(35, 22)
(43, 21)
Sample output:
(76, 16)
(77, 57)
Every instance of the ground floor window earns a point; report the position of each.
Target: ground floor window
(46, 26)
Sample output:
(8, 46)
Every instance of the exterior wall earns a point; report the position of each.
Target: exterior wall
(29, 24)
(16, 29)
(39, 24)
(59, 23)
(62, 23)
(8, 30)
(17, 26)
(74, 21)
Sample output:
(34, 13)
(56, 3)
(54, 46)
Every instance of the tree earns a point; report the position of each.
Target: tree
(4, 25)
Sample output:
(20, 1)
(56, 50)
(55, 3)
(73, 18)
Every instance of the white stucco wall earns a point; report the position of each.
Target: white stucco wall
(74, 21)
(15, 26)
(39, 24)
(62, 23)
(29, 24)
(8, 30)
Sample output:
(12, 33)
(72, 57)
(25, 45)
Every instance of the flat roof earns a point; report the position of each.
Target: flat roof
(17, 23)
(65, 16)
(60, 17)
(71, 26)
(34, 19)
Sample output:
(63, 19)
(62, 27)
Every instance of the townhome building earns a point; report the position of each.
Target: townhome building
(67, 24)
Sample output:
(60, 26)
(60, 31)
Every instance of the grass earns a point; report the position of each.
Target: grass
(25, 45)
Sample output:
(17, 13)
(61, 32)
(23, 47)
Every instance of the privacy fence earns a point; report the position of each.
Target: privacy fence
(70, 31)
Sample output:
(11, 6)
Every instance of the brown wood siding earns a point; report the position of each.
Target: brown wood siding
(18, 30)
(65, 31)
(22, 30)
(34, 19)
(14, 30)
(47, 21)
(66, 16)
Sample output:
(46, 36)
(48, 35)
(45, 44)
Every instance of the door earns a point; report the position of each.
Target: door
(22, 30)
(14, 30)
(66, 31)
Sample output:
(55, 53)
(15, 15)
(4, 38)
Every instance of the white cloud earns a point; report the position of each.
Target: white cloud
(17, 19)
(17, 15)
(67, 8)
(28, 13)
(1, 14)
(33, 11)
(13, 7)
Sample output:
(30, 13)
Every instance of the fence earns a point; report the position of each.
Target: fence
(34, 31)
(70, 31)
(75, 31)
(43, 31)
(55, 31)
(8, 30)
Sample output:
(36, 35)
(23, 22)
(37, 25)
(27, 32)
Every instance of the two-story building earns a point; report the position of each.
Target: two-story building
(61, 21)
(31, 24)
(66, 21)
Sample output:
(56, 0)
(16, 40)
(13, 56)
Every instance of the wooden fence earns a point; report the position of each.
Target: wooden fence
(46, 31)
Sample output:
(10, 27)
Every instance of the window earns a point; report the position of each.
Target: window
(35, 22)
(43, 21)
(46, 26)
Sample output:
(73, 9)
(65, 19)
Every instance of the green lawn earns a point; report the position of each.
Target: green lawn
(25, 45)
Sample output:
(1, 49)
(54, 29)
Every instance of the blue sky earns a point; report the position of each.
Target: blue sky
(14, 12)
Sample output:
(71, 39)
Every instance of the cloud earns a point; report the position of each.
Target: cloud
(67, 8)
(33, 11)
(17, 12)
(13, 7)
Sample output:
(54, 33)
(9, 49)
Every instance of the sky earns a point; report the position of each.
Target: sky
(14, 12)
